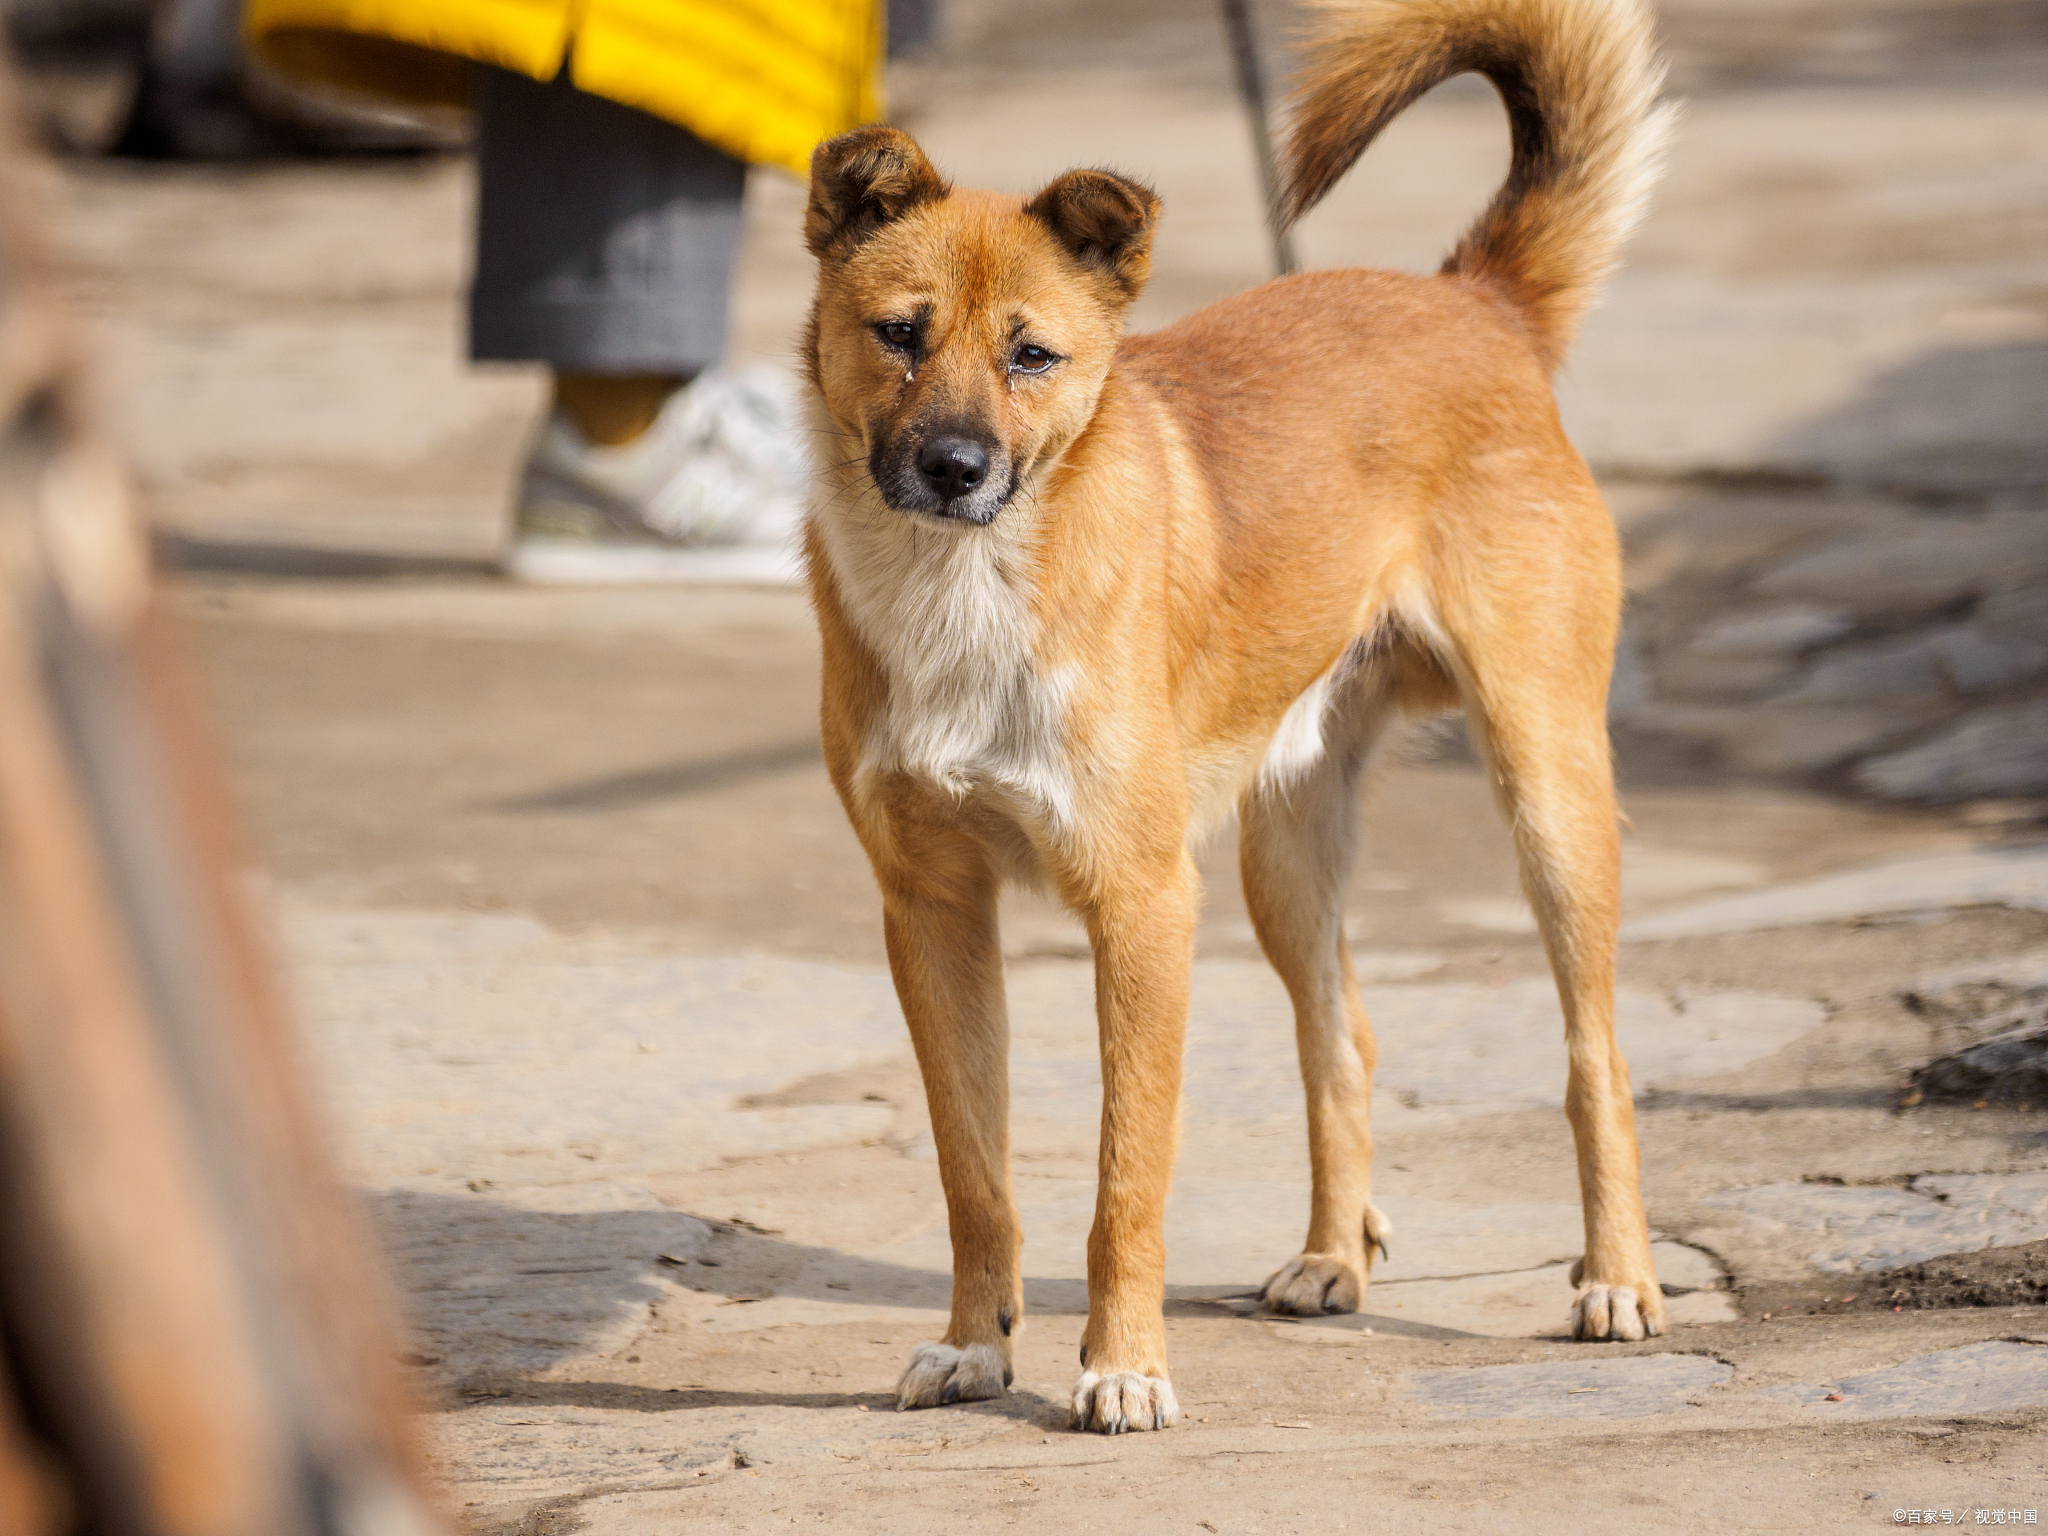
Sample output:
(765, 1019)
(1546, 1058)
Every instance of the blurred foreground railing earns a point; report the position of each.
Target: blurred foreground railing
(194, 1340)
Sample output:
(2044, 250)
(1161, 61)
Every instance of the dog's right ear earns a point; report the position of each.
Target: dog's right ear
(861, 181)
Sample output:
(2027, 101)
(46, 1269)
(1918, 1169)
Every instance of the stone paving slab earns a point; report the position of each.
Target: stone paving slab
(1459, 1271)
(539, 1064)
(527, 1446)
(507, 1095)
(493, 1289)
(2011, 877)
(1223, 1233)
(1992, 1377)
(2018, 972)
(1523, 1304)
(1631, 1388)
(523, 1448)
(1839, 1230)
(1995, 751)
(1454, 1047)
(453, 1038)
(1917, 570)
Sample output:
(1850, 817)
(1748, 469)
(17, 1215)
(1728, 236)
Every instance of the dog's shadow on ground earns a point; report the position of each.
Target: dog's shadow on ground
(1020, 1405)
(498, 1295)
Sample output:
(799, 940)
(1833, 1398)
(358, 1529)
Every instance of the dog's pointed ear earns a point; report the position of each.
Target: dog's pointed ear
(861, 181)
(1105, 221)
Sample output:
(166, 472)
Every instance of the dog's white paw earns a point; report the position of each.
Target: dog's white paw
(1310, 1284)
(940, 1374)
(1613, 1312)
(1123, 1402)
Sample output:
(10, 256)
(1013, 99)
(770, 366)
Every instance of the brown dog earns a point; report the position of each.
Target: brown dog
(1083, 593)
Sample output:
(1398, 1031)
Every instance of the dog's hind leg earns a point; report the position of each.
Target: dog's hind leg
(939, 917)
(1296, 842)
(1535, 685)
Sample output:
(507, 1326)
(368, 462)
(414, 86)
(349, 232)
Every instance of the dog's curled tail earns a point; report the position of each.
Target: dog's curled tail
(1580, 81)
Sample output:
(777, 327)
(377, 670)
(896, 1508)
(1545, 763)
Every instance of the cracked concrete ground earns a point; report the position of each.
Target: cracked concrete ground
(589, 962)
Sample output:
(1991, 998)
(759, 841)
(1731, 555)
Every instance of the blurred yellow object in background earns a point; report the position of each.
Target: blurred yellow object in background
(764, 80)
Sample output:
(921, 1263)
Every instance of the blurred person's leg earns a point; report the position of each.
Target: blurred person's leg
(606, 239)
(605, 236)
(913, 25)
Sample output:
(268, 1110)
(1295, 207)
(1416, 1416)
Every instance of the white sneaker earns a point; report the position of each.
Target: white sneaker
(713, 491)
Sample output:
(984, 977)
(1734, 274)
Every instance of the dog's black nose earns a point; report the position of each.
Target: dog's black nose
(953, 465)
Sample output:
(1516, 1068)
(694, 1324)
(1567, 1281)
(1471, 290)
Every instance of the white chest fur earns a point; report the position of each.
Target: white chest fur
(948, 613)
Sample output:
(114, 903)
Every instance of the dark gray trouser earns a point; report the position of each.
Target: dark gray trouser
(605, 235)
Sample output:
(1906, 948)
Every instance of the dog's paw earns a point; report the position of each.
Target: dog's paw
(1614, 1312)
(1310, 1284)
(1601, 1311)
(940, 1374)
(1123, 1402)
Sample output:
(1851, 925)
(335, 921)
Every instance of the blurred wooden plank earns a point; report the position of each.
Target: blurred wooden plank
(32, 1498)
(202, 1345)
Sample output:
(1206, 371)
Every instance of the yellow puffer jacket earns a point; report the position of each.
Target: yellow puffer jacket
(764, 80)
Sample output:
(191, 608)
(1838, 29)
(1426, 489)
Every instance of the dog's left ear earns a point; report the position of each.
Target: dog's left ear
(1105, 222)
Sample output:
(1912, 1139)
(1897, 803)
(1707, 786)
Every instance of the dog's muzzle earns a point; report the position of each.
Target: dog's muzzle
(950, 475)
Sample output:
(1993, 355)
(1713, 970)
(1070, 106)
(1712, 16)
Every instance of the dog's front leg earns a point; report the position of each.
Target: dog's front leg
(1143, 932)
(939, 916)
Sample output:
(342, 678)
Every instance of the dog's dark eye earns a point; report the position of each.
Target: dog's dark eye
(1030, 359)
(900, 334)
